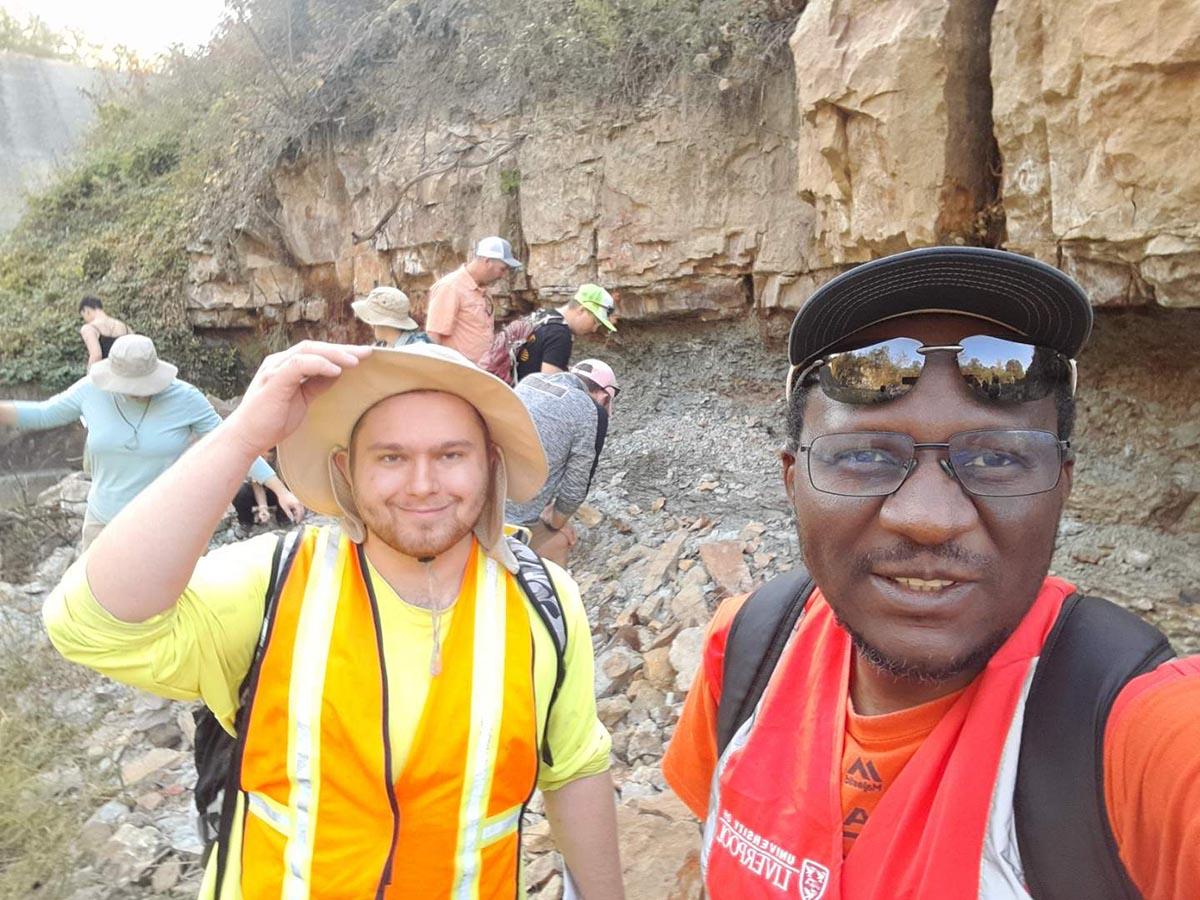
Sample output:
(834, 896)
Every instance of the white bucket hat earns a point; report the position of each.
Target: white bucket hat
(132, 367)
(306, 456)
(387, 306)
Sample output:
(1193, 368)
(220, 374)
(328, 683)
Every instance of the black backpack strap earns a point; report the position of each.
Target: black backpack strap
(757, 636)
(281, 564)
(538, 587)
(1063, 832)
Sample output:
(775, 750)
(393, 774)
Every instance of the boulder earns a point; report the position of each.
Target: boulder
(895, 143)
(724, 562)
(1089, 123)
(685, 656)
(660, 566)
(660, 849)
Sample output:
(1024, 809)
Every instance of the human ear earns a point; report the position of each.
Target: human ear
(787, 461)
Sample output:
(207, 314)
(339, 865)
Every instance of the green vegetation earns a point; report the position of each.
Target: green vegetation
(33, 37)
(116, 226)
(184, 158)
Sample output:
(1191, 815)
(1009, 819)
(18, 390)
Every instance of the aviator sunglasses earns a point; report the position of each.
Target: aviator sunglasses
(995, 369)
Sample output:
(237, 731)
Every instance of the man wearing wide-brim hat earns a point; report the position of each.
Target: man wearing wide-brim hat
(405, 695)
(387, 310)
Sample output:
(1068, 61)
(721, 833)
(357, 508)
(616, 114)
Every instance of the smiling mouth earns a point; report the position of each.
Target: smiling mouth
(927, 585)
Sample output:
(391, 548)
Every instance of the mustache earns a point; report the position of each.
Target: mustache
(907, 551)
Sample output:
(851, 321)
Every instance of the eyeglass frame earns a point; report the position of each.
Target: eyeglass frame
(1065, 454)
(924, 350)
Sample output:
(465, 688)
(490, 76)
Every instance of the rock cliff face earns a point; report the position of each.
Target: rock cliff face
(906, 124)
(1095, 126)
(683, 210)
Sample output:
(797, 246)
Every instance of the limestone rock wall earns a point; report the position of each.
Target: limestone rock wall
(1098, 127)
(905, 123)
(895, 140)
(683, 211)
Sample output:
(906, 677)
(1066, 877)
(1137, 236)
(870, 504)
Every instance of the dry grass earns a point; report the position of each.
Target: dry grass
(42, 808)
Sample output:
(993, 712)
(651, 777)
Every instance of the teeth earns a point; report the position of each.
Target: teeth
(923, 584)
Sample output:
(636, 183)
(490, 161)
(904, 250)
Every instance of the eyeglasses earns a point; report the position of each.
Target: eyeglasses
(988, 463)
(995, 369)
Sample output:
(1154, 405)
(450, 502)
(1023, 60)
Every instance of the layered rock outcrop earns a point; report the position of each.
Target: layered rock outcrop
(906, 124)
(1095, 126)
(680, 211)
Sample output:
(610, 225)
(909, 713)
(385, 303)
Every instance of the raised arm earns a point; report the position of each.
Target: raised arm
(141, 562)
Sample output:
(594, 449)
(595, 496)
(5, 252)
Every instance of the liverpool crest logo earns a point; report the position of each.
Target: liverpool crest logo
(814, 878)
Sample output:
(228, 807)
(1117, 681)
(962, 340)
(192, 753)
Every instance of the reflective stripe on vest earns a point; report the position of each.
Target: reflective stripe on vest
(315, 776)
(945, 826)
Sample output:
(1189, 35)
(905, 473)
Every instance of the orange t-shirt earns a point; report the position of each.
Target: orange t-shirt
(1151, 762)
(460, 315)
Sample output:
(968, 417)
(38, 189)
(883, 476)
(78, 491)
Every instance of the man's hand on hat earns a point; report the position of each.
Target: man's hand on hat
(285, 384)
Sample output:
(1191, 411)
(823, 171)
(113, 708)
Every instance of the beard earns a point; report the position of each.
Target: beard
(420, 540)
(917, 671)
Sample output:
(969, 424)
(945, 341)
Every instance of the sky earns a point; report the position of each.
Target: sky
(146, 26)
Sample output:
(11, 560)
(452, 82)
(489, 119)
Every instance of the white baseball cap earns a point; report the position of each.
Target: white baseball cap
(497, 248)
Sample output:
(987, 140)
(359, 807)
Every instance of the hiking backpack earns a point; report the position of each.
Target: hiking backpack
(501, 358)
(1094, 649)
(218, 754)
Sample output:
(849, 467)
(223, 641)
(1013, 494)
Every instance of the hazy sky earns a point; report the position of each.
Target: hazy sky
(146, 26)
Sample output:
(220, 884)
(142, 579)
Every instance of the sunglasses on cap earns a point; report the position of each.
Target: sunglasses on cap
(995, 369)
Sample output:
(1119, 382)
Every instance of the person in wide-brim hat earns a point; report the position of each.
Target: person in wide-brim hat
(132, 368)
(306, 457)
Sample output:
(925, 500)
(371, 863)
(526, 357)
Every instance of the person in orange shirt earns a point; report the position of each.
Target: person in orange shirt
(459, 313)
(925, 712)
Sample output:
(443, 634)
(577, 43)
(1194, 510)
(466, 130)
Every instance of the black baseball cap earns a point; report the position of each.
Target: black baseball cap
(1036, 300)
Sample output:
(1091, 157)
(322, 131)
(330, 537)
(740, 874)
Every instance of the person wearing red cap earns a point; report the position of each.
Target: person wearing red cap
(924, 711)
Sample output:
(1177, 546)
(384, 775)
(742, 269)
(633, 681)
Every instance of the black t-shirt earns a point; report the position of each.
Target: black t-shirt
(550, 343)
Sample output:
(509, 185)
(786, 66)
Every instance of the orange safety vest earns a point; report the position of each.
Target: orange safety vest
(322, 815)
(944, 829)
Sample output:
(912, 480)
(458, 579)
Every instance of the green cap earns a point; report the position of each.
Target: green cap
(598, 302)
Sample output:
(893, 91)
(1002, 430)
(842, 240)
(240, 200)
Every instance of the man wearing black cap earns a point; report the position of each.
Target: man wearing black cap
(924, 712)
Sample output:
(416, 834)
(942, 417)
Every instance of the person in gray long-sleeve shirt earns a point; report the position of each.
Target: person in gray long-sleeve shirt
(570, 411)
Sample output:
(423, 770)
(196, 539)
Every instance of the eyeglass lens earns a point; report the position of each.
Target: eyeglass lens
(990, 463)
(994, 368)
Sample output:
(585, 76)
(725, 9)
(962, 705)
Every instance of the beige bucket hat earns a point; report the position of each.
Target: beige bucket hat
(385, 306)
(306, 456)
(133, 368)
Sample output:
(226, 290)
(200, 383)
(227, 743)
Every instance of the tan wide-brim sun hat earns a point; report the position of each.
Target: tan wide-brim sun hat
(306, 456)
(387, 306)
(133, 368)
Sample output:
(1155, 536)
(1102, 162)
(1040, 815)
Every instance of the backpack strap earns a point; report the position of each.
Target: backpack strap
(757, 636)
(281, 565)
(538, 587)
(1066, 842)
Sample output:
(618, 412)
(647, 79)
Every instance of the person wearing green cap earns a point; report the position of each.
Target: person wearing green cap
(548, 349)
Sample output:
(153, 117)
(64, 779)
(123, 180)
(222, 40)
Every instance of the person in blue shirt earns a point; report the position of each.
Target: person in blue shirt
(140, 418)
